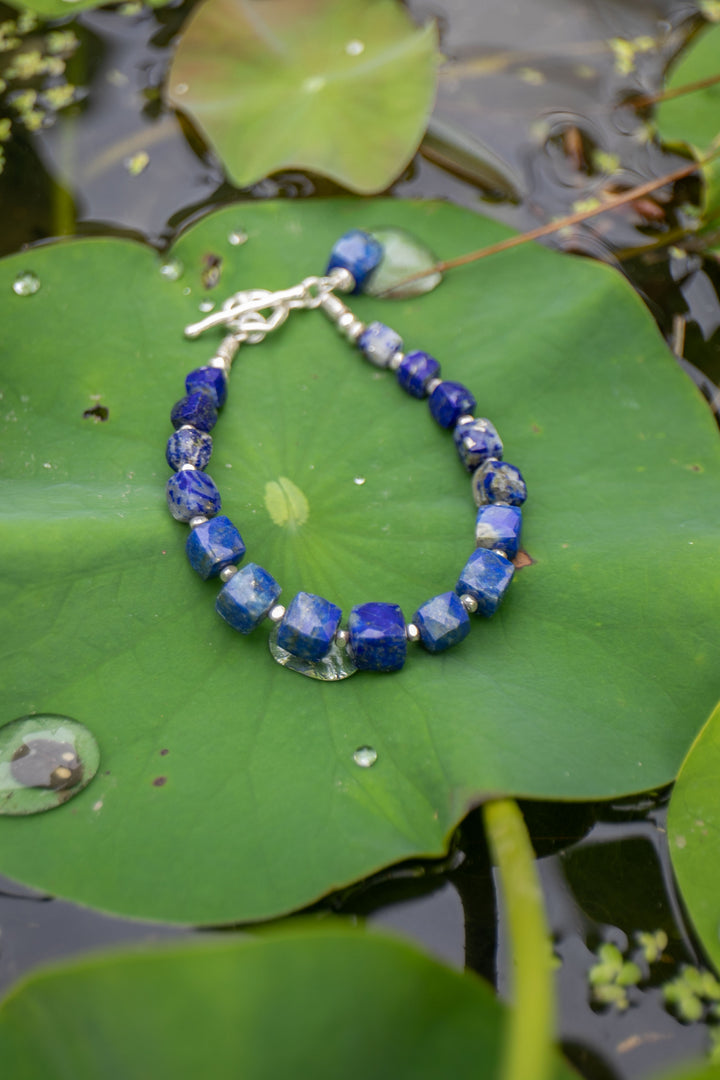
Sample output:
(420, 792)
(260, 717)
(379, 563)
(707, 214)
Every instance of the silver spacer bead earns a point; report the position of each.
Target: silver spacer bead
(334, 307)
(277, 613)
(469, 603)
(228, 572)
(396, 360)
(342, 637)
(466, 418)
(342, 279)
(218, 362)
(431, 385)
(199, 519)
(187, 467)
(187, 427)
(354, 330)
(412, 633)
(499, 551)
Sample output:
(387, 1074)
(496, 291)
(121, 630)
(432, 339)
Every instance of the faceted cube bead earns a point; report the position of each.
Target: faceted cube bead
(377, 637)
(196, 409)
(209, 380)
(309, 626)
(498, 482)
(358, 252)
(448, 402)
(247, 597)
(190, 493)
(188, 446)
(485, 576)
(442, 622)
(498, 527)
(378, 344)
(476, 441)
(214, 545)
(415, 370)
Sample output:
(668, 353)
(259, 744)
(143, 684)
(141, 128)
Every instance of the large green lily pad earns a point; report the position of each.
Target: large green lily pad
(331, 1002)
(227, 787)
(344, 90)
(694, 834)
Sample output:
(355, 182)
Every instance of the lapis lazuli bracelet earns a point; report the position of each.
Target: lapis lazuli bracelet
(307, 636)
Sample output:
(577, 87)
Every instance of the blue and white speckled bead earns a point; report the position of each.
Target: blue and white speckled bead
(191, 493)
(196, 409)
(497, 527)
(476, 441)
(188, 446)
(213, 545)
(379, 343)
(208, 380)
(309, 626)
(485, 577)
(358, 252)
(377, 639)
(449, 401)
(247, 597)
(498, 482)
(442, 622)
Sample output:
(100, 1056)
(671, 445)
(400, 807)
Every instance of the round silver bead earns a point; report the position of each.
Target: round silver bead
(354, 330)
(228, 572)
(466, 418)
(431, 385)
(277, 613)
(342, 637)
(342, 279)
(187, 467)
(218, 362)
(199, 519)
(396, 360)
(469, 603)
(499, 551)
(412, 633)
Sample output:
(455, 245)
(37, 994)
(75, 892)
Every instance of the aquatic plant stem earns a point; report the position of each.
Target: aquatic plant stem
(674, 92)
(529, 1033)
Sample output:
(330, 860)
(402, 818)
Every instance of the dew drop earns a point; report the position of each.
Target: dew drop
(354, 48)
(237, 238)
(26, 284)
(365, 757)
(44, 761)
(181, 88)
(172, 270)
(359, 480)
(206, 305)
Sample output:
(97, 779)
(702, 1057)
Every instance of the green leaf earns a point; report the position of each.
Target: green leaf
(343, 90)
(694, 834)
(334, 1002)
(54, 9)
(581, 686)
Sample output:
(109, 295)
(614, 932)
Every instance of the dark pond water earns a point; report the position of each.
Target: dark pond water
(537, 86)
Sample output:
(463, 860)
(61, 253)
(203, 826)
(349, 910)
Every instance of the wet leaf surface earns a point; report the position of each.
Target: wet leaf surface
(229, 790)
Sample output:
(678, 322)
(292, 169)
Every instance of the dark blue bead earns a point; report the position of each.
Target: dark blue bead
(188, 446)
(378, 343)
(377, 637)
(498, 527)
(247, 597)
(196, 409)
(191, 493)
(442, 622)
(498, 482)
(358, 252)
(449, 401)
(214, 545)
(485, 576)
(476, 441)
(209, 380)
(309, 626)
(414, 372)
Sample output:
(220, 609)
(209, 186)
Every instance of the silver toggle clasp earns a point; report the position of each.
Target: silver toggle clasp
(243, 314)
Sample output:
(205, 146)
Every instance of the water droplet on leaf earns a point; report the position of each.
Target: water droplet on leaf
(44, 761)
(172, 270)
(206, 305)
(26, 284)
(359, 480)
(365, 757)
(237, 238)
(403, 256)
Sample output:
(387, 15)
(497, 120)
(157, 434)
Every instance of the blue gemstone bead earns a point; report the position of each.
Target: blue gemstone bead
(188, 446)
(414, 372)
(358, 252)
(449, 401)
(209, 380)
(377, 637)
(485, 576)
(476, 441)
(442, 622)
(191, 493)
(498, 482)
(214, 545)
(309, 626)
(247, 597)
(498, 527)
(196, 409)
(378, 344)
